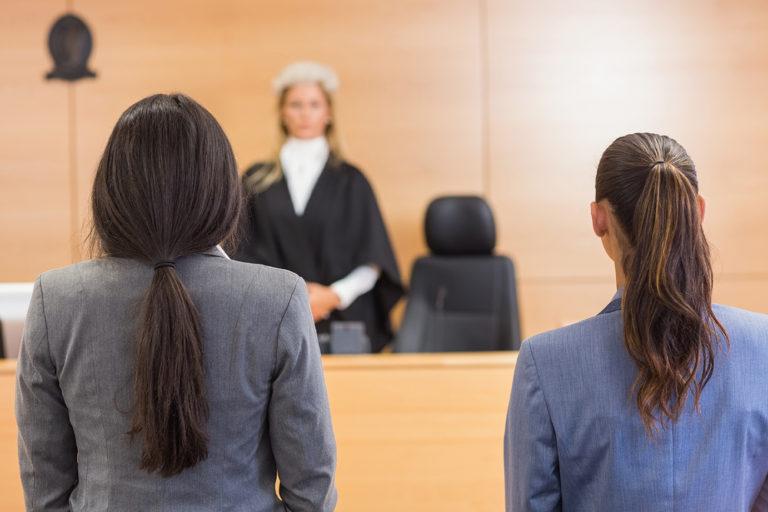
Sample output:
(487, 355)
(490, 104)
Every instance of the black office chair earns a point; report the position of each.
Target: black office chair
(462, 297)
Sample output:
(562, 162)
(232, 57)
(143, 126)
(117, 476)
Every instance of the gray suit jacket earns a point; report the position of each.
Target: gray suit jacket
(575, 441)
(269, 409)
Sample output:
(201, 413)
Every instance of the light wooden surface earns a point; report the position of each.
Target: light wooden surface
(11, 497)
(420, 432)
(514, 100)
(414, 431)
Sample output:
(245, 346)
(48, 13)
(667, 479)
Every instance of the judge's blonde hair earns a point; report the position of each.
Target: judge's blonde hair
(272, 171)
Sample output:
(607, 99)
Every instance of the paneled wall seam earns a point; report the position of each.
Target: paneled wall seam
(74, 241)
(485, 150)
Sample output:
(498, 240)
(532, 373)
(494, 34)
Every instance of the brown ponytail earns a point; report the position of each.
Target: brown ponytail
(669, 328)
(167, 187)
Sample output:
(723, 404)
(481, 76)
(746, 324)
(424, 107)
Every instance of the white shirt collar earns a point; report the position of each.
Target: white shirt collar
(303, 161)
(221, 251)
(304, 149)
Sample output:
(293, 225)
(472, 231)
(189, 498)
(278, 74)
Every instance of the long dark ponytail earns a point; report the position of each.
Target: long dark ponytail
(167, 187)
(669, 328)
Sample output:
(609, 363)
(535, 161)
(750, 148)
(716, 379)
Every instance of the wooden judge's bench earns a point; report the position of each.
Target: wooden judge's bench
(414, 431)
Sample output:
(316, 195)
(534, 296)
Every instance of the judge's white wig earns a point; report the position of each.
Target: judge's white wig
(303, 72)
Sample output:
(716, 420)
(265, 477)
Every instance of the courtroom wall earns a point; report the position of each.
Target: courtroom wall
(512, 100)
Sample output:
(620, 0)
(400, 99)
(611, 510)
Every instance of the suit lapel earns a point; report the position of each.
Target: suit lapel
(288, 232)
(615, 304)
(319, 198)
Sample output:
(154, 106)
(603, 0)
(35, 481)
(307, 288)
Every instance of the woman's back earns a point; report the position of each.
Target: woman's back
(580, 412)
(165, 376)
(659, 402)
(259, 356)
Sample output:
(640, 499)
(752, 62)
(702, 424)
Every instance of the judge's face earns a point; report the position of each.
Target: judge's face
(305, 111)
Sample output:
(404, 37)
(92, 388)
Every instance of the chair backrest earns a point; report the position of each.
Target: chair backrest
(462, 297)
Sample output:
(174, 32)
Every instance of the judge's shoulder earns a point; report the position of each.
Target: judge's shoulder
(344, 168)
(335, 163)
(255, 169)
(257, 173)
(257, 177)
(351, 176)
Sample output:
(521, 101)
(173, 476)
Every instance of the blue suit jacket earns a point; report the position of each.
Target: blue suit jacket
(575, 442)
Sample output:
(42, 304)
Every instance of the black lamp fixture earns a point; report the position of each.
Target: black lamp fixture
(70, 44)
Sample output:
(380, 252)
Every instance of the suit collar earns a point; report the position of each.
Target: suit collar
(615, 304)
(216, 250)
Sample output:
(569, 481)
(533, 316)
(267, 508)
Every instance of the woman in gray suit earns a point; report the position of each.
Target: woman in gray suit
(164, 376)
(660, 402)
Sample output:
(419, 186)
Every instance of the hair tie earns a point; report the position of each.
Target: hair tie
(161, 264)
(658, 162)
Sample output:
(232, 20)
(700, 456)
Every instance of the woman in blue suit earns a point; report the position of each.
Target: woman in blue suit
(660, 402)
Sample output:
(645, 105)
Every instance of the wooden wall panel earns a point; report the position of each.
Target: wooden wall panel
(409, 102)
(748, 292)
(558, 81)
(566, 78)
(34, 153)
(550, 304)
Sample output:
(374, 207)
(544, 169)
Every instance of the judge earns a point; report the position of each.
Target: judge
(311, 212)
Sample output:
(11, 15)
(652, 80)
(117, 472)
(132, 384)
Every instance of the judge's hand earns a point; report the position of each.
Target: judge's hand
(322, 300)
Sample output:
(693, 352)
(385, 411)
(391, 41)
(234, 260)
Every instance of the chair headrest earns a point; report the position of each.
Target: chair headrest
(460, 225)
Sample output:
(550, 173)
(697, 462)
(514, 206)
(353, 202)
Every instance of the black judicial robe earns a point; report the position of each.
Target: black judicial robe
(341, 229)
